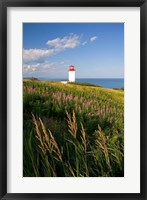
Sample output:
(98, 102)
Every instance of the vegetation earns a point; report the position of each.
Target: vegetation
(32, 78)
(84, 84)
(72, 130)
(118, 89)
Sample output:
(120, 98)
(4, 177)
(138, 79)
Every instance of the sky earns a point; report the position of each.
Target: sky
(95, 49)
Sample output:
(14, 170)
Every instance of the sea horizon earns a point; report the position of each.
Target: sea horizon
(104, 82)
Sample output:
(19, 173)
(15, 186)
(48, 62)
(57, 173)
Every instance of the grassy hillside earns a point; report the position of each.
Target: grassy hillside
(72, 130)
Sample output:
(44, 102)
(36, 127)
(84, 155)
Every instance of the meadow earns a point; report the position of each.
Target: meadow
(72, 130)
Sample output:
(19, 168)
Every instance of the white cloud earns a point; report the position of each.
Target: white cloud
(93, 38)
(56, 45)
(36, 54)
(40, 67)
(84, 43)
(53, 42)
(60, 44)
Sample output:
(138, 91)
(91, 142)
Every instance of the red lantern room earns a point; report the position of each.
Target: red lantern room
(71, 68)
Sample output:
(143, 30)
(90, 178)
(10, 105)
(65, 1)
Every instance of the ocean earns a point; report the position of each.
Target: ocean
(104, 82)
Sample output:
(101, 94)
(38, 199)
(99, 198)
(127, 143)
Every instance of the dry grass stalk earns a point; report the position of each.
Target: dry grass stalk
(102, 144)
(72, 124)
(83, 138)
(39, 136)
(54, 145)
(44, 131)
(47, 140)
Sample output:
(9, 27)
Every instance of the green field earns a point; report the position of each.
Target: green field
(72, 130)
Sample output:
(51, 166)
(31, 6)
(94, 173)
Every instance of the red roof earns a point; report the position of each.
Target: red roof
(71, 68)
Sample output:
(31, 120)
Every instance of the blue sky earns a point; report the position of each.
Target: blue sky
(95, 49)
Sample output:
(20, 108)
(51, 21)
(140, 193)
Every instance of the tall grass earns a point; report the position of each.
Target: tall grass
(72, 131)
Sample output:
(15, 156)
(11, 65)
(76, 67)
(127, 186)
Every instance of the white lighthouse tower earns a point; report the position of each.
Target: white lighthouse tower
(71, 73)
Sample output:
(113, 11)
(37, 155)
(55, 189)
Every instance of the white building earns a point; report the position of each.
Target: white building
(71, 74)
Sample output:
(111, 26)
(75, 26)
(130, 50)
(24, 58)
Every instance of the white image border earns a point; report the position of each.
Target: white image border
(130, 183)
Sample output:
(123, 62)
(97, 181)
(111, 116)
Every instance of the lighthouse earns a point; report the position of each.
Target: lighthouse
(71, 73)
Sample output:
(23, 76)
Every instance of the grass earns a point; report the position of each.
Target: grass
(72, 130)
(84, 84)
